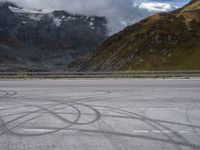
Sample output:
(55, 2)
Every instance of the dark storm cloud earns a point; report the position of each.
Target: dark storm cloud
(119, 13)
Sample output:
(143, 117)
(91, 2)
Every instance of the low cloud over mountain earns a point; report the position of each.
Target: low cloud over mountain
(119, 13)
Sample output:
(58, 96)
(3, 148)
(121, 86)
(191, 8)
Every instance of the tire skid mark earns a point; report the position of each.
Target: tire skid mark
(174, 133)
(142, 118)
(47, 111)
(148, 123)
(6, 94)
(114, 141)
(161, 121)
(155, 125)
(43, 110)
(4, 124)
(189, 120)
(144, 137)
(52, 108)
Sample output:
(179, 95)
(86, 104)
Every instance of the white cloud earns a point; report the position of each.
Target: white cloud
(156, 7)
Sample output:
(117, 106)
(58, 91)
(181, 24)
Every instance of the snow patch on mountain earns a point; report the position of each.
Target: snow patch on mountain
(92, 25)
(36, 17)
(70, 18)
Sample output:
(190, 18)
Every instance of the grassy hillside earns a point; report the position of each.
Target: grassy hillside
(164, 41)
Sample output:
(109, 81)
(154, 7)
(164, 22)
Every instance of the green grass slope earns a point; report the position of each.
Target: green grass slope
(164, 41)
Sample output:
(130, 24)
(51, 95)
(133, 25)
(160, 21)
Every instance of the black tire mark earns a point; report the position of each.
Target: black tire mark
(97, 116)
(112, 140)
(7, 94)
(173, 132)
(50, 132)
(142, 118)
(56, 115)
(161, 121)
(139, 137)
(189, 120)
(176, 134)
(151, 124)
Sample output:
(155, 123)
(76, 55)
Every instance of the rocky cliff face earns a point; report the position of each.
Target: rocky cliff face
(164, 41)
(37, 40)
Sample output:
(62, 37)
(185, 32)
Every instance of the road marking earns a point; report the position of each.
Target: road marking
(38, 130)
(141, 131)
(165, 108)
(133, 131)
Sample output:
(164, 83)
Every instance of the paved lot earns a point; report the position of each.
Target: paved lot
(100, 115)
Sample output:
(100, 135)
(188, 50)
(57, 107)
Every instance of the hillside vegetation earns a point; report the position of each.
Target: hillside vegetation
(164, 41)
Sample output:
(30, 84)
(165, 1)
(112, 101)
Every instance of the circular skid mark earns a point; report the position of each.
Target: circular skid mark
(5, 94)
(96, 115)
(14, 126)
(68, 114)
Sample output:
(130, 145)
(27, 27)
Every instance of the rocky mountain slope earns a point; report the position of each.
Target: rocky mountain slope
(47, 41)
(164, 41)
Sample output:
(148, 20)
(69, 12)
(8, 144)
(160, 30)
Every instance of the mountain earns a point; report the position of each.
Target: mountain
(38, 40)
(164, 41)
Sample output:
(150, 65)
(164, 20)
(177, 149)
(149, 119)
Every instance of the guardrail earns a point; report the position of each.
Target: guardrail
(124, 74)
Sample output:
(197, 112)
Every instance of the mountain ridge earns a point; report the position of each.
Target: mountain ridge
(31, 39)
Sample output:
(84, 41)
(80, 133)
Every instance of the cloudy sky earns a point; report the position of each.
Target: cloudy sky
(119, 13)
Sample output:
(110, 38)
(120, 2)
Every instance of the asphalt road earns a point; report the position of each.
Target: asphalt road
(109, 114)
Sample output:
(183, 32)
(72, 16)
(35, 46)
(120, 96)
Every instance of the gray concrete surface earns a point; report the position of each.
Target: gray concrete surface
(106, 114)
